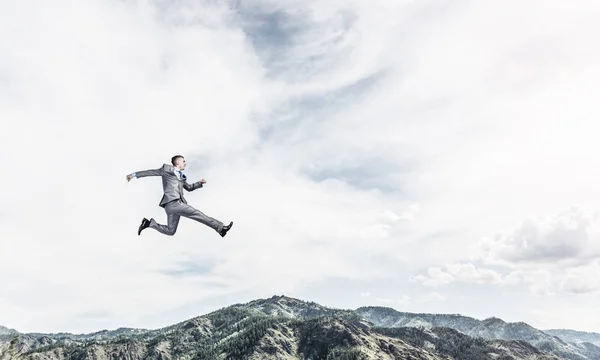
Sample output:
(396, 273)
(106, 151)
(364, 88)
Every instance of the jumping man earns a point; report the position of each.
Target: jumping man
(175, 205)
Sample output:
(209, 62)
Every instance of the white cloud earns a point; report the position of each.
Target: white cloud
(385, 300)
(405, 300)
(408, 215)
(539, 282)
(543, 254)
(436, 277)
(433, 296)
(582, 279)
(550, 253)
(566, 314)
(469, 273)
(319, 129)
(458, 272)
(569, 235)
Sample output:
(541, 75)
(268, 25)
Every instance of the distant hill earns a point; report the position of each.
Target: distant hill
(576, 336)
(282, 327)
(491, 328)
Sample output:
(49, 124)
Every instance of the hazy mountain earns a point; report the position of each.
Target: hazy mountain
(451, 342)
(576, 336)
(491, 328)
(284, 328)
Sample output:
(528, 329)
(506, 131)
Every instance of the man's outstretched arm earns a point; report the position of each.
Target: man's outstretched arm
(144, 173)
(193, 186)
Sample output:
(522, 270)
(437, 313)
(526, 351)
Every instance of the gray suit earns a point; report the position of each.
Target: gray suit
(174, 202)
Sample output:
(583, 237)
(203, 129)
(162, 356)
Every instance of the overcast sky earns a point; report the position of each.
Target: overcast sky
(431, 156)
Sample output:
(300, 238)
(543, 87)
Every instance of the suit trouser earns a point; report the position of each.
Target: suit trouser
(176, 209)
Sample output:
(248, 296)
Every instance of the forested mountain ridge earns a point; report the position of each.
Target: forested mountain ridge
(282, 327)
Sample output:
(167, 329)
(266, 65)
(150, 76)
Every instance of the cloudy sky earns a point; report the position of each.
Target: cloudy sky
(427, 155)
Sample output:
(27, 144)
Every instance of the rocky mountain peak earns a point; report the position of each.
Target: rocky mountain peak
(494, 320)
(289, 307)
(6, 331)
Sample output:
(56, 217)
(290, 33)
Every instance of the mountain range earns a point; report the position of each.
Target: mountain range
(283, 327)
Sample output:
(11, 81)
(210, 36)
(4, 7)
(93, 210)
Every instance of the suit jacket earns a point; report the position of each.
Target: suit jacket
(172, 185)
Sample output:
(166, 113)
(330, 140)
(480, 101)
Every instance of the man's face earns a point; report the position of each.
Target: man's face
(180, 163)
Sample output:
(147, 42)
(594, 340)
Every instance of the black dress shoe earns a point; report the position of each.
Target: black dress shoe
(225, 229)
(145, 223)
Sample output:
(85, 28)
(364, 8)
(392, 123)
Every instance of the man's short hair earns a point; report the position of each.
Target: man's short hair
(174, 159)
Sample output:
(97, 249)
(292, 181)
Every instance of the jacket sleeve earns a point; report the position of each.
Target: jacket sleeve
(151, 172)
(193, 186)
